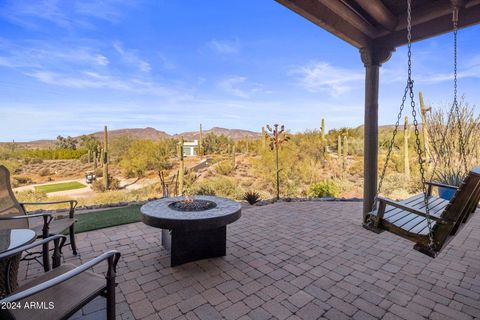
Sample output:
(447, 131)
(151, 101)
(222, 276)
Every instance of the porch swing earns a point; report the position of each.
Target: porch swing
(429, 221)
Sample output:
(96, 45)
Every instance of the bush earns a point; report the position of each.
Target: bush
(44, 172)
(221, 186)
(251, 197)
(84, 158)
(99, 186)
(21, 180)
(98, 172)
(224, 167)
(203, 190)
(326, 188)
(31, 196)
(36, 161)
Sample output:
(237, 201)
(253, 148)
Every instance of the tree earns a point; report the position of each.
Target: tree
(216, 143)
(144, 155)
(277, 136)
(90, 143)
(135, 161)
(66, 143)
(162, 151)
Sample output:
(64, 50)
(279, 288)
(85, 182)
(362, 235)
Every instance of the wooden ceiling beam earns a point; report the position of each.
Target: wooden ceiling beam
(323, 16)
(344, 12)
(377, 10)
(429, 28)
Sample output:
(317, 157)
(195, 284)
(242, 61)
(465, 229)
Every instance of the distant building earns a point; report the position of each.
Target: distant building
(190, 148)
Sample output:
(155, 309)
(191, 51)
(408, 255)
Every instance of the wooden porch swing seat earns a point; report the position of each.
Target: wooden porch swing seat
(408, 218)
(13, 215)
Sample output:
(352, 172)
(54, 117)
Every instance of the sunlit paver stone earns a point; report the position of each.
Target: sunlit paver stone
(304, 260)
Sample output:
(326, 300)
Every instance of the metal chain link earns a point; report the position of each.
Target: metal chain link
(454, 106)
(409, 91)
(455, 89)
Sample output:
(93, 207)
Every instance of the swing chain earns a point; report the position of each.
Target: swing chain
(455, 88)
(409, 91)
(399, 116)
(418, 148)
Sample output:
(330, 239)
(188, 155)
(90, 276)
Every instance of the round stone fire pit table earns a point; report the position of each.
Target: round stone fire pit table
(189, 234)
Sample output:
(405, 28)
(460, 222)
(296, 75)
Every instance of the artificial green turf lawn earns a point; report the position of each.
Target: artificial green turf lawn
(63, 186)
(107, 218)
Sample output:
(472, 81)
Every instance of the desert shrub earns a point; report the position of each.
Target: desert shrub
(36, 161)
(21, 180)
(203, 190)
(31, 196)
(52, 154)
(98, 172)
(224, 167)
(446, 149)
(84, 158)
(221, 186)
(399, 186)
(251, 197)
(326, 188)
(44, 172)
(12, 165)
(99, 186)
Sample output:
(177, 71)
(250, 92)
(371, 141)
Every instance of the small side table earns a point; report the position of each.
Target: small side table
(12, 239)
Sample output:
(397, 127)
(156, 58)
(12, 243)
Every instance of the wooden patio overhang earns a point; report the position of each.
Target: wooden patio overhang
(377, 28)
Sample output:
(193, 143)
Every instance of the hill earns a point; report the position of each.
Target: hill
(134, 133)
(149, 134)
(235, 134)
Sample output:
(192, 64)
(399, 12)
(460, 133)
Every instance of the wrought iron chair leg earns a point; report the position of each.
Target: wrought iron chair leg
(72, 239)
(45, 258)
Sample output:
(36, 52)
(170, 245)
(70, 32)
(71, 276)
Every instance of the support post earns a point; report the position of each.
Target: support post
(372, 59)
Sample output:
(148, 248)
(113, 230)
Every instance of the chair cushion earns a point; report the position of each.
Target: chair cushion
(66, 296)
(55, 227)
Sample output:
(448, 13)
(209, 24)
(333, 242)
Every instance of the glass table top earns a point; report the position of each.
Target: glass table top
(14, 238)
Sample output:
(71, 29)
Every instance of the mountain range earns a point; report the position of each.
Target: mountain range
(150, 133)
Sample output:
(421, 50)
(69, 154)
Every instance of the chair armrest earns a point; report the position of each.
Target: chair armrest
(35, 215)
(112, 256)
(10, 253)
(408, 208)
(440, 185)
(73, 205)
(47, 218)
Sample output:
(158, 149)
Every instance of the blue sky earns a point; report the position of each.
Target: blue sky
(69, 67)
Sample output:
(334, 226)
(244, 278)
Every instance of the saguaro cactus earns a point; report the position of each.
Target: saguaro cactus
(95, 158)
(200, 142)
(406, 136)
(89, 155)
(322, 136)
(233, 155)
(264, 139)
(181, 171)
(423, 111)
(345, 151)
(276, 138)
(339, 146)
(105, 158)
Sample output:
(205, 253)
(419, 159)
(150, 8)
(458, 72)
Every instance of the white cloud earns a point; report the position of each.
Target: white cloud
(224, 46)
(131, 57)
(321, 76)
(31, 54)
(65, 14)
(239, 87)
(94, 80)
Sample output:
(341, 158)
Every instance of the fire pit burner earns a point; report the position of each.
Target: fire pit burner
(192, 205)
